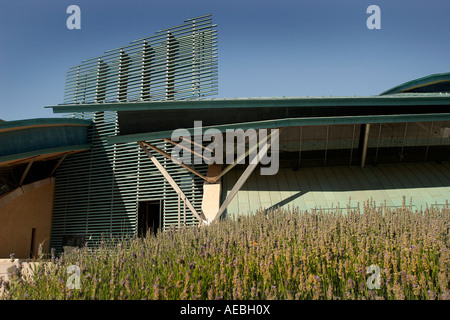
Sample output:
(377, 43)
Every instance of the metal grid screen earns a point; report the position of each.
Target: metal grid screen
(97, 192)
(175, 63)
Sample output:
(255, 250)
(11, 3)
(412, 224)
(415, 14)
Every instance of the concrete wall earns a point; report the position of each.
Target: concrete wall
(21, 210)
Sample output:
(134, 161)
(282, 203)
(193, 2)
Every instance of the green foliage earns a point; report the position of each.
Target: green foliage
(285, 254)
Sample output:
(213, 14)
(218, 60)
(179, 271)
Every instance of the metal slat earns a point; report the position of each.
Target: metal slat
(194, 48)
(96, 192)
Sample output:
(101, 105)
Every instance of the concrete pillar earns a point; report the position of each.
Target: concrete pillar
(211, 193)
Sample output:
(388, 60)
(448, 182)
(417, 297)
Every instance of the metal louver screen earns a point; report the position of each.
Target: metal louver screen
(175, 63)
(97, 192)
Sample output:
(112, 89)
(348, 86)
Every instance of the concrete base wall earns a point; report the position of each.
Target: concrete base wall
(22, 210)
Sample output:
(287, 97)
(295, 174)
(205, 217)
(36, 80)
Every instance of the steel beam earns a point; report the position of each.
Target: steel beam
(187, 149)
(245, 175)
(353, 143)
(238, 159)
(26, 171)
(365, 143)
(428, 141)
(172, 182)
(168, 156)
(57, 165)
(196, 144)
(378, 142)
(326, 146)
(403, 142)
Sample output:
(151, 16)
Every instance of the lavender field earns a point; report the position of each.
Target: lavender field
(285, 254)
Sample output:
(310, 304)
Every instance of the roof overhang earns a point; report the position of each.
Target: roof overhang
(41, 123)
(41, 139)
(282, 123)
(146, 120)
(298, 102)
(41, 155)
(439, 82)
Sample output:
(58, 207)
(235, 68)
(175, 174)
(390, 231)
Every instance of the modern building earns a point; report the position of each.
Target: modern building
(334, 152)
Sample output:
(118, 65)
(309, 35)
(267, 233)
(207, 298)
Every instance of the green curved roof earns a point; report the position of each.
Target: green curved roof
(439, 82)
(41, 122)
(41, 139)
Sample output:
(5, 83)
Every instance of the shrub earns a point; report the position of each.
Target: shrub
(283, 254)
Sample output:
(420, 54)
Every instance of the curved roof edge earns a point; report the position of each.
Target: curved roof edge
(42, 154)
(420, 82)
(41, 139)
(41, 122)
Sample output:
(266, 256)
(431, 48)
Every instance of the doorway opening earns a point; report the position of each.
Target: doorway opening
(33, 240)
(149, 217)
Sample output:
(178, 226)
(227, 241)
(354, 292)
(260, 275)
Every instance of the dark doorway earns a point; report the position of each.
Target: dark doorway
(149, 217)
(74, 240)
(33, 239)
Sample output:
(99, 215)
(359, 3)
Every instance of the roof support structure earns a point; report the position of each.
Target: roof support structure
(403, 143)
(246, 174)
(168, 156)
(232, 165)
(57, 165)
(378, 142)
(172, 182)
(26, 171)
(428, 141)
(187, 149)
(365, 143)
(196, 144)
(353, 143)
(12, 174)
(212, 178)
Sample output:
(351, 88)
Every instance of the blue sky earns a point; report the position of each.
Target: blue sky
(266, 48)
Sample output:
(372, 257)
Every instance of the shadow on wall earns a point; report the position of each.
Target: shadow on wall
(25, 215)
(421, 184)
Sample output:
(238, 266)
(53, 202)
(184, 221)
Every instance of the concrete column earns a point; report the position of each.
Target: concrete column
(211, 193)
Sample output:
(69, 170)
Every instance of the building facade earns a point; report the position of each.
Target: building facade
(333, 152)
